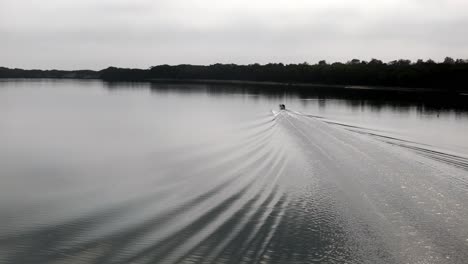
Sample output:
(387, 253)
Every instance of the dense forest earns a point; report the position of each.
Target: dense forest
(450, 74)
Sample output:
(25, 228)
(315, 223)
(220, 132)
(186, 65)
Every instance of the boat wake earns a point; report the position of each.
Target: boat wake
(434, 152)
(286, 187)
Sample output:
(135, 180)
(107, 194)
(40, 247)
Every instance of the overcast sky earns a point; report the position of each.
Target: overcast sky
(94, 34)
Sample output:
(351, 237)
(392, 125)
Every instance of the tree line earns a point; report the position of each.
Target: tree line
(450, 74)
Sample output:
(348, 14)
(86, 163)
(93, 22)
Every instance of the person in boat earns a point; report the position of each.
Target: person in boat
(282, 107)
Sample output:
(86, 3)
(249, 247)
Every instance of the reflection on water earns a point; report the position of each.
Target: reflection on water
(94, 172)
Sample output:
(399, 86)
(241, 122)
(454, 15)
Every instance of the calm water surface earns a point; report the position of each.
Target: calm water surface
(92, 172)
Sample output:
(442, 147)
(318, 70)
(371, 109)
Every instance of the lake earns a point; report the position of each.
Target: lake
(96, 172)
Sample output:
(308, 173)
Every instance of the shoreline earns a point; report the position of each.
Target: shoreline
(264, 83)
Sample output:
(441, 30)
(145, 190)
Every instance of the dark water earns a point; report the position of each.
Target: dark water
(175, 173)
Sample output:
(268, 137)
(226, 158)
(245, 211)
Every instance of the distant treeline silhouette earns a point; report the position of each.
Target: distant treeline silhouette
(450, 74)
(20, 73)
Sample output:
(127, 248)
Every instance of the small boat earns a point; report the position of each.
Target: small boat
(282, 107)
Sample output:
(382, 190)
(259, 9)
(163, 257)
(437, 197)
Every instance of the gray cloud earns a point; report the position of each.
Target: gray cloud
(139, 33)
